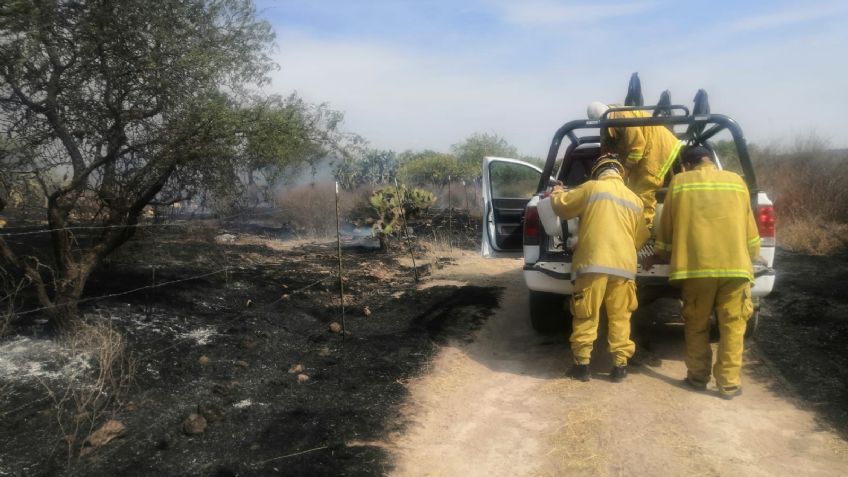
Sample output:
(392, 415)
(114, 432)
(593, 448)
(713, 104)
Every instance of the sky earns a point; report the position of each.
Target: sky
(429, 73)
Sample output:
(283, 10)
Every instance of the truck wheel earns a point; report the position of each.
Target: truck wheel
(751, 325)
(548, 312)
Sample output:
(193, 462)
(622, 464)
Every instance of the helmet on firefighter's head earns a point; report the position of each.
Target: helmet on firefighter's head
(605, 163)
(596, 109)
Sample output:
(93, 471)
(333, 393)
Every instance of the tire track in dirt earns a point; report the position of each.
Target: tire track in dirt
(501, 406)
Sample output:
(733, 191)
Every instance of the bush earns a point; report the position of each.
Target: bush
(812, 235)
(809, 185)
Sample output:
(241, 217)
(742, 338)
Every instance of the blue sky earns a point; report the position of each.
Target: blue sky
(426, 74)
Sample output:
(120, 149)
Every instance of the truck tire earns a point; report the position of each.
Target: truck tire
(549, 313)
(752, 324)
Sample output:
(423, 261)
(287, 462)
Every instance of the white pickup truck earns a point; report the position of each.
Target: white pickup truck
(511, 227)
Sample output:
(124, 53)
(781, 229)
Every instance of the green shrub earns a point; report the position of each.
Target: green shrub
(388, 208)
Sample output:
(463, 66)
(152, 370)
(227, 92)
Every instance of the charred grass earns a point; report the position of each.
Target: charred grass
(222, 347)
(803, 330)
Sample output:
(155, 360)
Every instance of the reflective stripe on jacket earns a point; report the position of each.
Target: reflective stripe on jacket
(611, 226)
(652, 148)
(708, 226)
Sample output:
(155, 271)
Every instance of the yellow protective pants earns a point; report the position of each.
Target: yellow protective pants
(645, 184)
(618, 295)
(731, 300)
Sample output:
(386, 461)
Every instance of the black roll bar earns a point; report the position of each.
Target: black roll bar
(719, 121)
(710, 132)
(663, 107)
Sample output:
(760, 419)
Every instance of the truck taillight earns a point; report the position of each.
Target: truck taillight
(531, 226)
(765, 224)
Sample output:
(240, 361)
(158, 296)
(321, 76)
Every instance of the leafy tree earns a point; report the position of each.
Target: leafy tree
(374, 167)
(282, 135)
(119, 104)
(470, 153)
(430, 167)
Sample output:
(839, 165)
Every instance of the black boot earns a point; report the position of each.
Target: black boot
(695, 384)
(618, 373)
(729, 392)
(579, 372)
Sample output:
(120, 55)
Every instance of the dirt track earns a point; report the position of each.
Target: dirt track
(501, 406)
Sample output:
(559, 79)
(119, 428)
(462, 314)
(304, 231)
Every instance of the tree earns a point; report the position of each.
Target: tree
(282, 135)
(118, 104)
(430, 167)
(470, 153)
(374, 167)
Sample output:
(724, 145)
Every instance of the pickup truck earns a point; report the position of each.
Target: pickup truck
(511, 226)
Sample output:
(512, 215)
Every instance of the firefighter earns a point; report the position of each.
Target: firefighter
(611, 231)
(708, 229)
(648, 152)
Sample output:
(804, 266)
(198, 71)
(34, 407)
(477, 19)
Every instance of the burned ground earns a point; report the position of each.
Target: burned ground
(222, 346)
(269, 312)
(804, 332)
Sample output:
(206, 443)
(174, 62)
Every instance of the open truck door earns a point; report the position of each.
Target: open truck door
(508, 185)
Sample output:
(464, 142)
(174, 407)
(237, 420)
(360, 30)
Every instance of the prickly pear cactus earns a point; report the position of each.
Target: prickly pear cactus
(387, 205)
(418, 200)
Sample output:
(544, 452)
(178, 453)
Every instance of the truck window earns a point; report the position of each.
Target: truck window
(512, 181)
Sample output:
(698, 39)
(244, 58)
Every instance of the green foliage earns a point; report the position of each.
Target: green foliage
(728, 155)
(123, 104)
(470, 153)
(512, 180)
(430, 168)
(387, 204)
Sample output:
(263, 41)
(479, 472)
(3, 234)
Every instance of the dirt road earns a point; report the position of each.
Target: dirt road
(501, 406)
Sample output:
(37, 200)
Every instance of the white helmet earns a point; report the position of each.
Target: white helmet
(596, 109)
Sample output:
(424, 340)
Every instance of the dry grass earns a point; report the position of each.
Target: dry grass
(311, 210)
(813, 235)
(809, 185)
(95, 392)
(10, 287)
(465, 198)
(438, 245)
(577, 447)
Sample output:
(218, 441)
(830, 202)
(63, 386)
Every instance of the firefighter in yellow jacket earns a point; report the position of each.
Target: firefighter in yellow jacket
(611, 231)
(648, 153)
(708, 229)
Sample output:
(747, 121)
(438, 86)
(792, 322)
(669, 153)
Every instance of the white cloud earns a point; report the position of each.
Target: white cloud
(552, 13)
(399, 97)
(402, 99)
(791, 16)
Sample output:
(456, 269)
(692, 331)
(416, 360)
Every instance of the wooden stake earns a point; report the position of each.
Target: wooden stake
(450, 218)
(339, 244)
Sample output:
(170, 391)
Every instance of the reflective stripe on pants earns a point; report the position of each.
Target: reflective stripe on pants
(731, 299)
(618, 295)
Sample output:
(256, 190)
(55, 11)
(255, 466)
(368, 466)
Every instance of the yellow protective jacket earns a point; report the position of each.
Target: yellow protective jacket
(652, 148)
(708, 226)
(611, 226)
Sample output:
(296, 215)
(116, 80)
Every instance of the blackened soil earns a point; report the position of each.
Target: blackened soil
(269, 312)
(803, 330)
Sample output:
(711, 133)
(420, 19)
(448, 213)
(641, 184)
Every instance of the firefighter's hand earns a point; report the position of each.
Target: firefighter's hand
(761, 261)
(558, 188)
